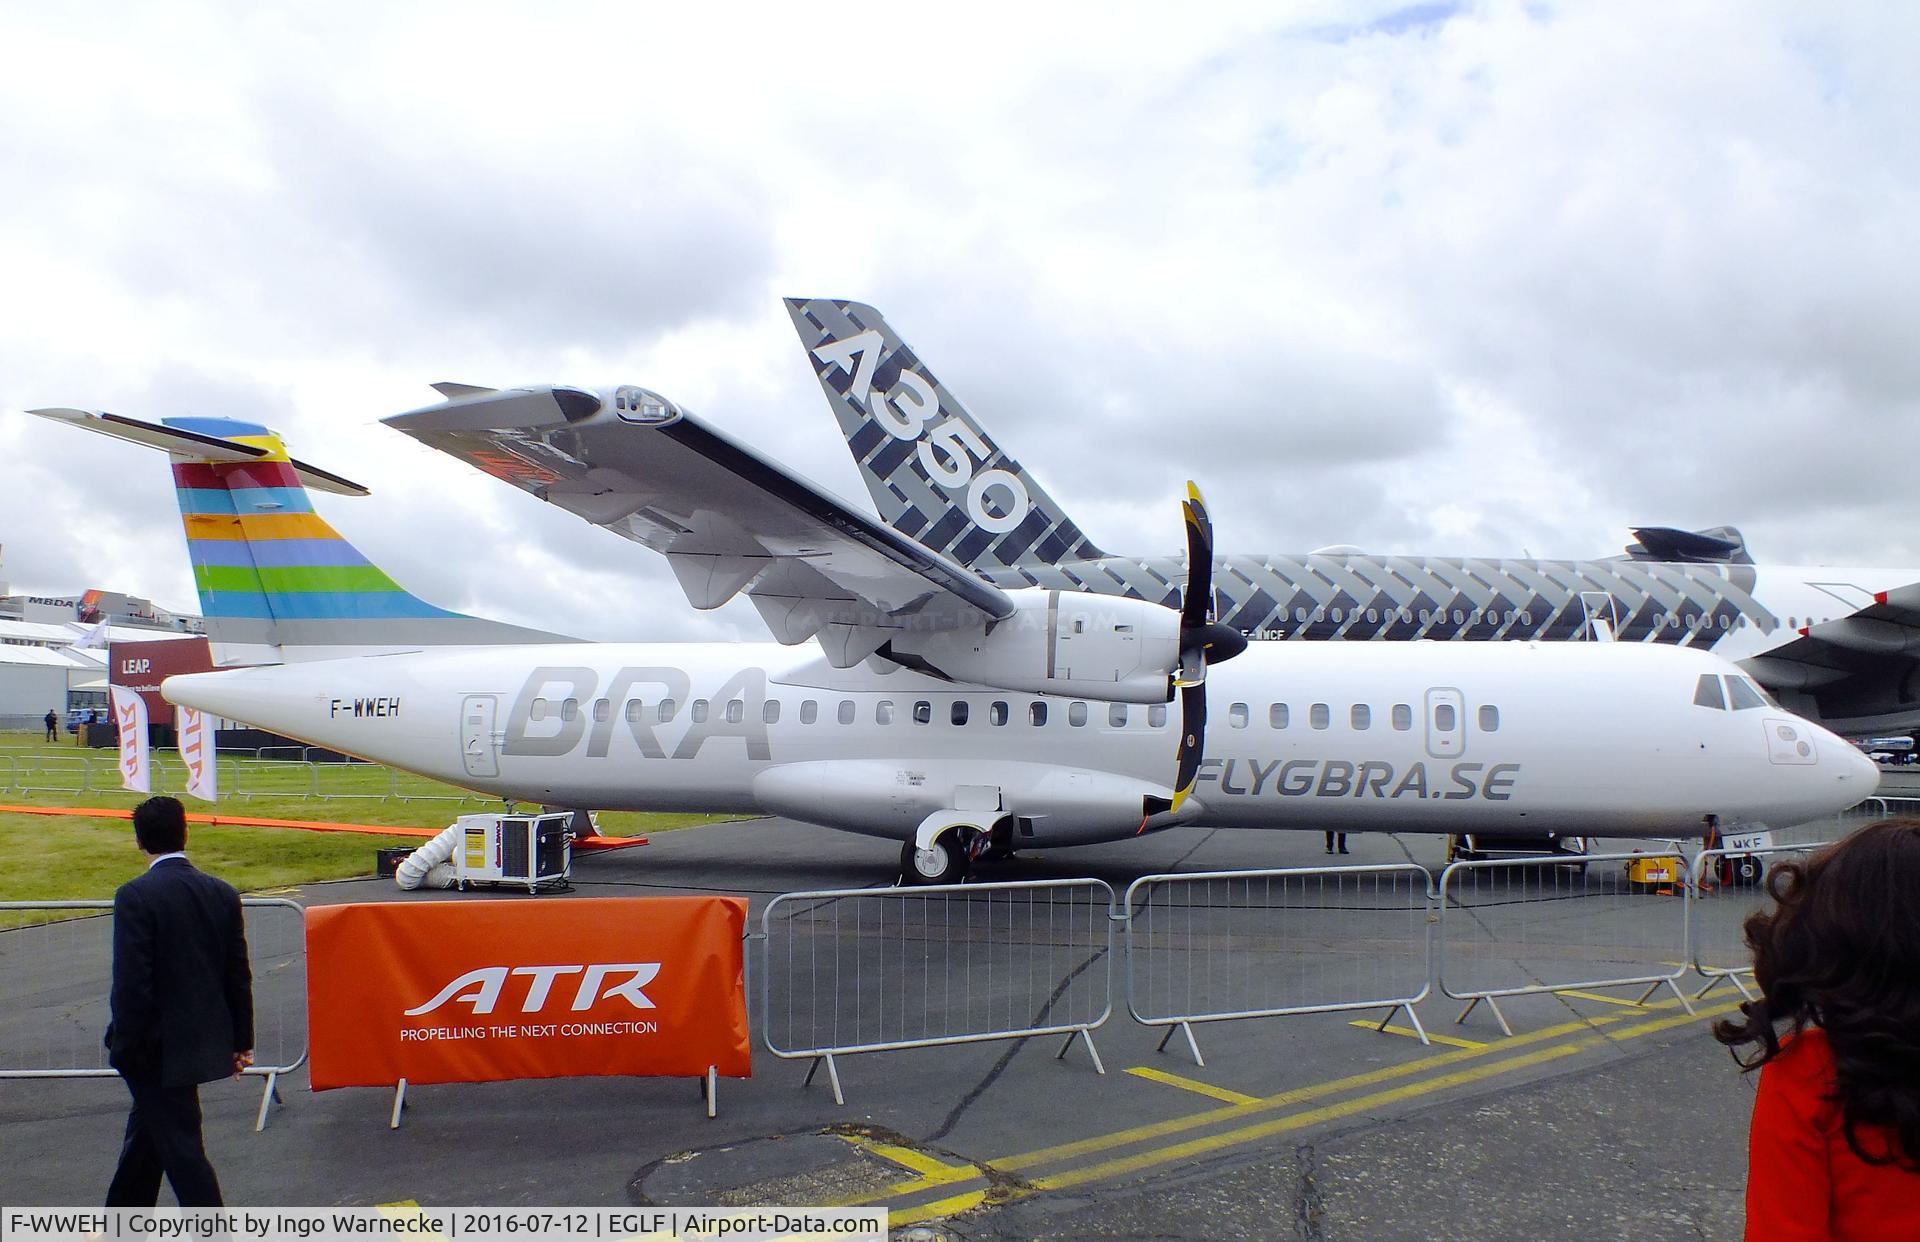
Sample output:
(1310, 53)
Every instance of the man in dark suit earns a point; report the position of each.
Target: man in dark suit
(182, 1009)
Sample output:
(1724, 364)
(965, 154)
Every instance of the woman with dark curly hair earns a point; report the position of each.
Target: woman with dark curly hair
(1834, 1151)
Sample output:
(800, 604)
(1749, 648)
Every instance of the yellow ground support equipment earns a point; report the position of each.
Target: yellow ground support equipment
(1657, 873)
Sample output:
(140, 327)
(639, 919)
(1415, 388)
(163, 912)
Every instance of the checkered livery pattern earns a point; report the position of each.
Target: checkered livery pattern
(907, 499)
(1354, 596)
(1344, 596)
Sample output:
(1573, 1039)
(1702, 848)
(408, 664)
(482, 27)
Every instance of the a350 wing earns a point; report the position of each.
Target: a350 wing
(726, 518)
(1859, 673)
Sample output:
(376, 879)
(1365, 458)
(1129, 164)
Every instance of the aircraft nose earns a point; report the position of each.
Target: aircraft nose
(1860, 776)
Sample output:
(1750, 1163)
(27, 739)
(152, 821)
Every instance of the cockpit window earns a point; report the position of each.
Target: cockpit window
(1707, 693)
(1761, 690)
(1743, 694)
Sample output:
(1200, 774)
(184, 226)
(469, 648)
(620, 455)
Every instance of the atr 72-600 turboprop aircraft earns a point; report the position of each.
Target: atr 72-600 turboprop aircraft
(1838, 645)
(937, 709)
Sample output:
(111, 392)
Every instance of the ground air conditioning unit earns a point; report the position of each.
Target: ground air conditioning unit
(533, 850)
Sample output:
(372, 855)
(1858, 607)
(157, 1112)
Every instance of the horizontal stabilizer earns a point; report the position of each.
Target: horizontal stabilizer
(198, 445)
(1717, 545)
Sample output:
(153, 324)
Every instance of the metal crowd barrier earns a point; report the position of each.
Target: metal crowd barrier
(881, 969)
(1725, 893)
(1224, 945)
(268, 778)
(1505, 917)
(1887, 808)
(56, 774)
(57, 991)
(241, 776)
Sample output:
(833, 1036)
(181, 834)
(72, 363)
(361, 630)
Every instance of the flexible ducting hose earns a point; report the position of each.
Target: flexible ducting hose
(431, 865)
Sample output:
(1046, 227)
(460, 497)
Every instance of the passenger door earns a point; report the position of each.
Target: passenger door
(479, 752)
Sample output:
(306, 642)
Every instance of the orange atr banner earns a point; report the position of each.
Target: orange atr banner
(481, 991)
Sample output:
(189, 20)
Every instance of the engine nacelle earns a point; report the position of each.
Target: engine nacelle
(1078, 643)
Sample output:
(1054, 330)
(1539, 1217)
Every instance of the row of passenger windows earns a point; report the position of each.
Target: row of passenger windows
(999, 712)
(1360, 716)
(1492, 616)
(734, 711)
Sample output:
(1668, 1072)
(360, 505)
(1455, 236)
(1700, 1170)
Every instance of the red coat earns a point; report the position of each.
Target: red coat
(1803, 1180)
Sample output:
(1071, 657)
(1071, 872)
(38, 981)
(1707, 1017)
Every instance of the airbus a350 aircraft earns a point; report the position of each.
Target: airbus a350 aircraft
(1838, 645)
(930, 707)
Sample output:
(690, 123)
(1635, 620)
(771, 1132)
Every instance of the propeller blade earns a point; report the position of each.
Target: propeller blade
(1193, 738)
(1203, 641)
(1197, 603)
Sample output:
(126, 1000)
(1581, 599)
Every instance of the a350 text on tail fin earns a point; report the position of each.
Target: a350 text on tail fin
(932, 470)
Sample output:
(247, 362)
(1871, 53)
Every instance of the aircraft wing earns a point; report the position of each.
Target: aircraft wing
(1861, 671)
(727, 518)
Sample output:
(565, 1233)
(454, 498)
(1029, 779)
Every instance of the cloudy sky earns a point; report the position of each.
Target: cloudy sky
(1451, 278)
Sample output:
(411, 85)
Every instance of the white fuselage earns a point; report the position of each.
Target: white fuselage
(1575, 739)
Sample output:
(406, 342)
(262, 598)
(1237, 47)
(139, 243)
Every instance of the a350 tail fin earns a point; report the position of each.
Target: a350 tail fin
(934, 472)
(276, 582)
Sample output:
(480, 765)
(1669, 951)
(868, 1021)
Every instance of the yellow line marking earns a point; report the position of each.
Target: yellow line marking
(938, 1208)
(937, 1172)
(1160, 1129)
(1192, 1084)
(1595, 996)
(1193, 1121)
(1294, 1121)
(1368, 1024)
(1346, 1108)
(403, 1213)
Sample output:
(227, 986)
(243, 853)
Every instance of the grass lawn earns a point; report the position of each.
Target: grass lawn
(71, 857)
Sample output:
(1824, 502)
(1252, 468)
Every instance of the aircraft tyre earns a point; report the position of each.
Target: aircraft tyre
(945, 862)
(1747, 871)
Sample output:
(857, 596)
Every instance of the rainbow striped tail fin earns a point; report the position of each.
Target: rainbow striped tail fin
(276, 581)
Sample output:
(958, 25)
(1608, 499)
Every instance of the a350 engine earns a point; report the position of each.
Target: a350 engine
(1059, 642)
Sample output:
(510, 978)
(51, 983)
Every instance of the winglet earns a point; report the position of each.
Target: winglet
(453, 392)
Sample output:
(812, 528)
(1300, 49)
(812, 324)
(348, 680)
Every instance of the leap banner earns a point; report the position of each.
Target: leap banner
(484, 991)
(194, 729)
(130, 718)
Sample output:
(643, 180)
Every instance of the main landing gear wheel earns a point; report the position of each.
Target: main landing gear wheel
(943, 862)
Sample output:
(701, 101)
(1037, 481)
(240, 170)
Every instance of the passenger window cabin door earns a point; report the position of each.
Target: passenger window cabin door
(479, 747)
(1446, 723)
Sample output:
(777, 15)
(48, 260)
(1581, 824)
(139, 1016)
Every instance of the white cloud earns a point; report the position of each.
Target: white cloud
(1413, 278)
